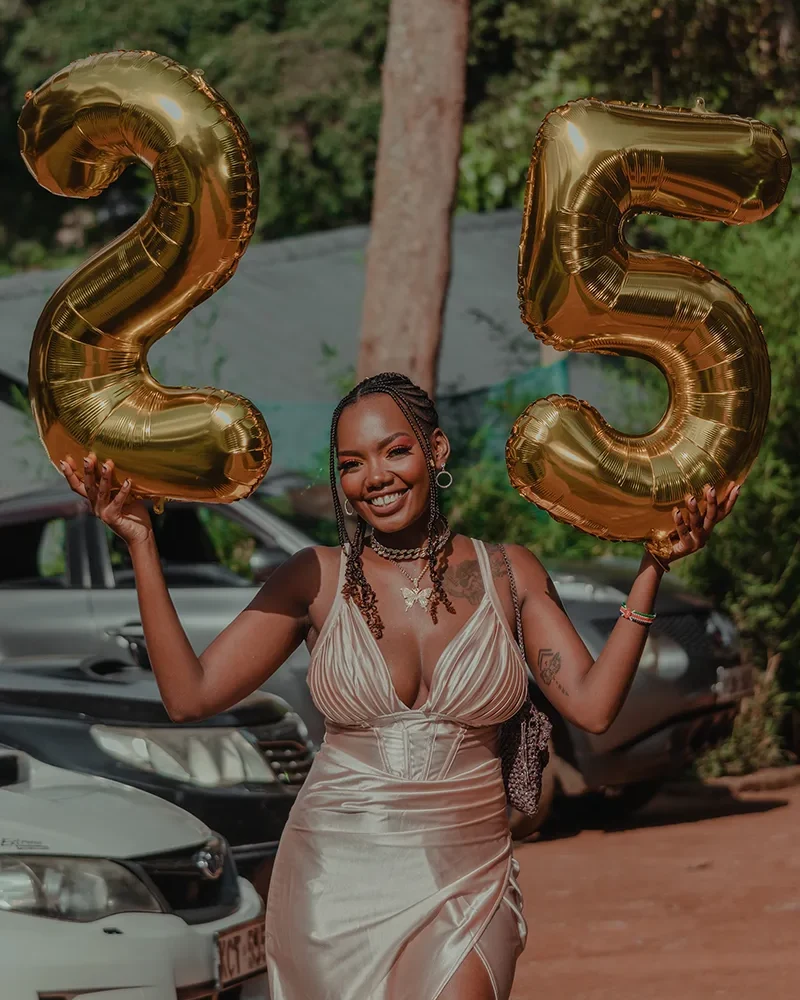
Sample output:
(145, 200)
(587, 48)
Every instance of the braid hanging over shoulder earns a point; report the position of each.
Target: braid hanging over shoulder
(420, 411)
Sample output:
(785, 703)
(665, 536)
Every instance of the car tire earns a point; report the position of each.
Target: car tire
(522, 826)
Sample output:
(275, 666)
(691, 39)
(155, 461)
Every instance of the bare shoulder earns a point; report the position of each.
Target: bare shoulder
(532, 579)
(302, 581)
(526, 566)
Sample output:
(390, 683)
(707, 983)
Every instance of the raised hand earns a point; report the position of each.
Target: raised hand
(127, 518)
(693, 529)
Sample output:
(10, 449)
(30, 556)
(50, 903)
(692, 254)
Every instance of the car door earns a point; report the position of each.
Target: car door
(45, 612)
(214, 559)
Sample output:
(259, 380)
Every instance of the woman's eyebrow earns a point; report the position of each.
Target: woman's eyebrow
(381, 444)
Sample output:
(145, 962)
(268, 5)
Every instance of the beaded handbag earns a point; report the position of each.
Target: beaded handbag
(523, 739)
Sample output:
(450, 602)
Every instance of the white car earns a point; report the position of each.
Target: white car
(109, 893)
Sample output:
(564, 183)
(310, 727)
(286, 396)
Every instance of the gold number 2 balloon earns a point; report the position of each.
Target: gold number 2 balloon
(89, 383)
(583, 288)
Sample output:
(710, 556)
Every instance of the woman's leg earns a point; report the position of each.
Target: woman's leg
(471, 981)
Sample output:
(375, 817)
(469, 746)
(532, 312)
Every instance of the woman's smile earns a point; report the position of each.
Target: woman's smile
(385, 504)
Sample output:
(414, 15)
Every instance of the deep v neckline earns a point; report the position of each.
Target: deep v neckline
(435, 672)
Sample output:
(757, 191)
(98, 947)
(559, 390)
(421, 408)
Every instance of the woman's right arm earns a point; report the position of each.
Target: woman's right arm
(245, 653)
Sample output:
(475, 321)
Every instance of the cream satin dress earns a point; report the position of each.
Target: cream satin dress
(396, 861)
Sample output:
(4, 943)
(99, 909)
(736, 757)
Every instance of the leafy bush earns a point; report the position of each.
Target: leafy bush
(756, 738)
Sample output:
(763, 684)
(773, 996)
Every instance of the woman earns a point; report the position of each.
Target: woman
(395, 878)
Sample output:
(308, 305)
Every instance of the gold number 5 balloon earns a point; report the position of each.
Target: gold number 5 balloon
(583, 288)
(89, 384)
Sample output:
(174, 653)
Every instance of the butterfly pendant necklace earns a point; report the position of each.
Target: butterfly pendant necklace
(413, 595)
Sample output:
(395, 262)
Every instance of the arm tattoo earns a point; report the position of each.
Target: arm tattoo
(549, 666)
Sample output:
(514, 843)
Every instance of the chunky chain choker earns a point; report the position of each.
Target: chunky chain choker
(421, 552)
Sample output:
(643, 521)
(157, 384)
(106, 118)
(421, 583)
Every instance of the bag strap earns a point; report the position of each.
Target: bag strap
(515, 599)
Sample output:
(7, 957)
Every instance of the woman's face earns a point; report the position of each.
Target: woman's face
(382, 466)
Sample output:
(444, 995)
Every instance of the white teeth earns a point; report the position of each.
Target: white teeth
(384, 500)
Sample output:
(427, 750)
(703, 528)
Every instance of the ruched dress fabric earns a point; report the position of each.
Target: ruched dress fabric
(396, 861)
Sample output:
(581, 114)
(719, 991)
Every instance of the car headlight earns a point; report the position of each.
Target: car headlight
(211, 758)
(80, 889)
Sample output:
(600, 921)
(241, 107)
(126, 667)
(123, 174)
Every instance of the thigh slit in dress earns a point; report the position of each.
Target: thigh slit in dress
(396, 861)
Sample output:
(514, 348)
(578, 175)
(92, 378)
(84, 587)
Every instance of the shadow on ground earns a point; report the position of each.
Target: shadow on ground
(675, 805)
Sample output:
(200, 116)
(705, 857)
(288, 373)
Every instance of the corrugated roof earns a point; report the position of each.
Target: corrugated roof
(263, 333)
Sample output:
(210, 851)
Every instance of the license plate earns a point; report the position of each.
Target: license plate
(241, 952)
(733, 682)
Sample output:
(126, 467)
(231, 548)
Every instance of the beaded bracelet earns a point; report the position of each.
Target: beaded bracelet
(640, 617)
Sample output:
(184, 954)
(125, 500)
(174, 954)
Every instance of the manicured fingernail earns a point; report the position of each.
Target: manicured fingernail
(62, 466)
(105, 466)
(712, 492)
(86, 462)
(692, 502)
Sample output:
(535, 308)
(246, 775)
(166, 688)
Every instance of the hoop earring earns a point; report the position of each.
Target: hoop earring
(348, 509)
(439, 483)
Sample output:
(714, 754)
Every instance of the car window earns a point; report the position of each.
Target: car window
(202, 547)
(34, 554)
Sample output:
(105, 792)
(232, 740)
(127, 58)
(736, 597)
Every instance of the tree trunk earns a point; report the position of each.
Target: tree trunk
(408, 259)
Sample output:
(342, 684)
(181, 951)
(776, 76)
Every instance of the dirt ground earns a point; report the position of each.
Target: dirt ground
(698, 896)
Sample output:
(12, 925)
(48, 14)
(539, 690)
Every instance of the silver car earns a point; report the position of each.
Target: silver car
(66, 588)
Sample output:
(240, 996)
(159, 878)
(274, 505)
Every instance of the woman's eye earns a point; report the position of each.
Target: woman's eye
(401, 449)
(346, 466)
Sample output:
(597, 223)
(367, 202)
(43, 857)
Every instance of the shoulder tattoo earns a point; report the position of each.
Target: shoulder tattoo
(464, 580)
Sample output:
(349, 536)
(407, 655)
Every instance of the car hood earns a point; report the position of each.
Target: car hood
(59, 812)
(129, 697)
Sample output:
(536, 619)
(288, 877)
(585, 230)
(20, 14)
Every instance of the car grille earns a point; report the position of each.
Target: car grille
(291, 761)
(184, 881)
(687, 629)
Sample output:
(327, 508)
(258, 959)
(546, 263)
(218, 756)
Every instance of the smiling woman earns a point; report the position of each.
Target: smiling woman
(395, 878)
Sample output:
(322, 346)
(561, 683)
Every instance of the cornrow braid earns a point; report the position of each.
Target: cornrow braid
(419, 409)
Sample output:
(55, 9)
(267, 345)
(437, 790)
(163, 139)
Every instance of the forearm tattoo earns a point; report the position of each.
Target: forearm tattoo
(549, 666)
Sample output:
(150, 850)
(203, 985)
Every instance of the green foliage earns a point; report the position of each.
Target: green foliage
(755, 741)
(233, 543)
(305, 78)
(753, 565)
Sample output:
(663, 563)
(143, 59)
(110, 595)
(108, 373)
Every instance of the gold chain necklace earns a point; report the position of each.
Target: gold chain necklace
(421, 552)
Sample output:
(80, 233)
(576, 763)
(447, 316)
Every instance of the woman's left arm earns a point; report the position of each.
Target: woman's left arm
(590, 693)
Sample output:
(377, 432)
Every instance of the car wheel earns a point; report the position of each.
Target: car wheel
(523, 826)
(619, 803)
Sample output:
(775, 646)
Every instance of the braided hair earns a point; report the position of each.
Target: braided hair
(420, 411)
